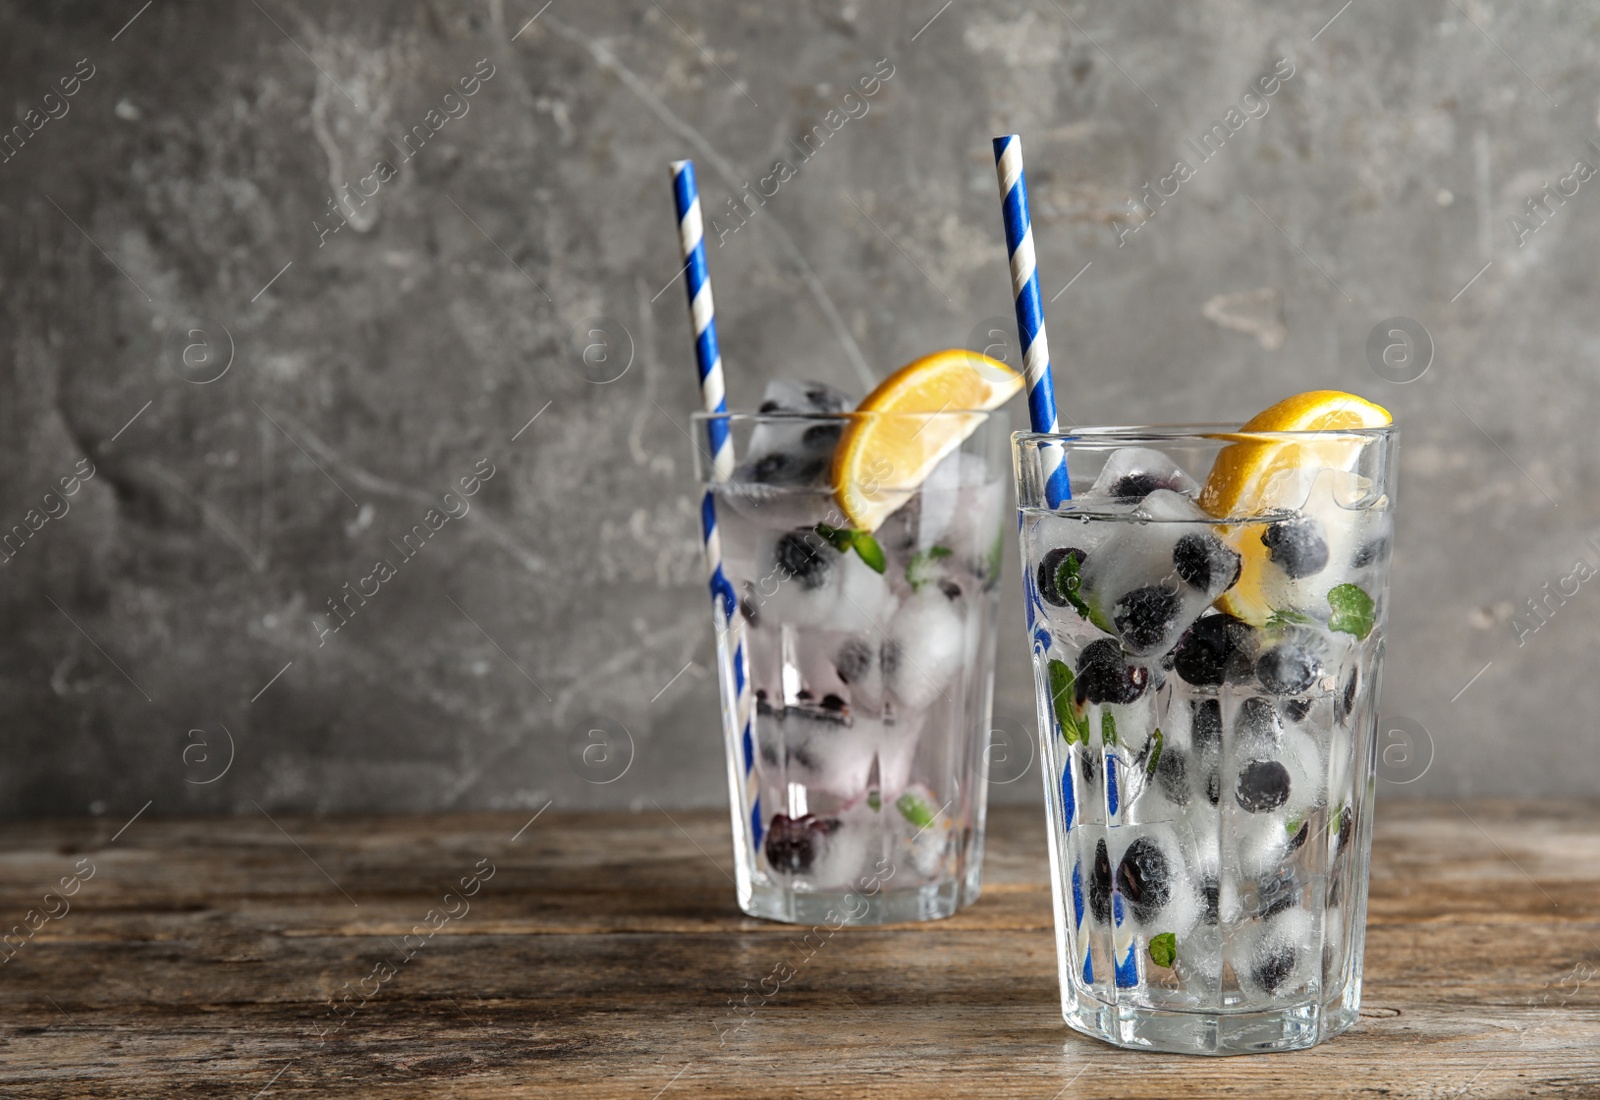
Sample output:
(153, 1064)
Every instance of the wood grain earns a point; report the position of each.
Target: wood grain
(600, 958)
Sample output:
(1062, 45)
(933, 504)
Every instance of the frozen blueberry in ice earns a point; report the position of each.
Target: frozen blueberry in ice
(833, 702)
(1100, 884)
(1297, 546)
(762, 706)
(792, 843)
(1257, 725)
(1104, 677)
(854, 660)
(1298, 840)
(822, 436)
(1214, 786)
(1172, 775)
(1143, 616)
(1286, 669)
(1370, 552)
(801, 555)
(1089, 765)
(1271, 971)
(950, 589)
(1137, 486)
(1347, 826)
(1263, 786)
(1203, 560)
(1145, 878)
(1347, 698)
(1210, 892)
(1216, 649)
(1058, 575)
(1277, 892)
(780, 468)
(1297, 709)
(1206, 727)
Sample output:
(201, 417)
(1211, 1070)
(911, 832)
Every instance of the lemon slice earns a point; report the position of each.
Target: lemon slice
(1242, 477)
(882, 458)
(1252, 477)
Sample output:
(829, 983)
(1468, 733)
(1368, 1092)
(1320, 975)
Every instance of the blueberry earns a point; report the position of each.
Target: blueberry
(769, 406)
(950, 589)
(800, 554)
(1054, 582)
(792, 843)
(1136, 486)
(1376, 550)
(1089, 765)
(1347, 698)
(1271, 971)
(1145, 878)
(1214, 786)
(1257, 725)
(1104, 677)
(1298, 841)
(1297, 546)
(1202, 559)
(1216, 649)
(1297, 709)
(1172, 775)
(785, 469)
(1100, 885)
(854, 660)
(1206, 726)
(1277, 892)
(820, 437)
(833, 702)
(1347, 827)
(762, 706)
(1286, 669)
(1143, 616)
(1210, 891)
(1263, 786)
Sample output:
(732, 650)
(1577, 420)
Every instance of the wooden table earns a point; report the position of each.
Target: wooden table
(597, 955)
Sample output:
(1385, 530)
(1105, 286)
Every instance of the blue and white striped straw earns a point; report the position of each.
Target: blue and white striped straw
(713, 396)
(1030, 311)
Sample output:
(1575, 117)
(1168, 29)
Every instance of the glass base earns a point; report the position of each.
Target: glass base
(1293, 1027)
(934, 901)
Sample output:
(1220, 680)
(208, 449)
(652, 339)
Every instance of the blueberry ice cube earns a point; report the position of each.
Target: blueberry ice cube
(1132, 473)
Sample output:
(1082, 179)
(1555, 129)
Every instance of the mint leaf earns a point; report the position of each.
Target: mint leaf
(875, 800)
(1154, 749)
(1286, 616)
(1352, 610)
(919, 570)
(869, 551)
(840, 537)
(1069, 583)
(844, 539)
(1164, 949)
(1108, 728)
(1073, 726)
(914, 810)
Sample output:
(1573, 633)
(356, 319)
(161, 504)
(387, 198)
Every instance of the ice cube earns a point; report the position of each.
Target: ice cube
(925, 830)
(1274, 959)
(820, 748)
(804, 581)
(1132, 473)
(1154, 577)
(929, 633)
(782, 478)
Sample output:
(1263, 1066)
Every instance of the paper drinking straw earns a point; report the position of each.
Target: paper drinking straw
(713, 396)
(1030, 312)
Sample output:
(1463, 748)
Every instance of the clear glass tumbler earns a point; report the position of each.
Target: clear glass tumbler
(858, 795)
(1207, 693)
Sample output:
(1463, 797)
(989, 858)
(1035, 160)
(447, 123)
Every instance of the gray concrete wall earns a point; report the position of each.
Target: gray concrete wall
(175, 220)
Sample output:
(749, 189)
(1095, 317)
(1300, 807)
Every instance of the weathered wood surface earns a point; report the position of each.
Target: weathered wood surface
(601, 957)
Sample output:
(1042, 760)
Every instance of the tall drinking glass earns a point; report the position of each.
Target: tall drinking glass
(1207, 692)
(862, 664)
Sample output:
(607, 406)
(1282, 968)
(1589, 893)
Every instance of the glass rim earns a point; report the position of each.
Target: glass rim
(1123, 434)
(746, 417)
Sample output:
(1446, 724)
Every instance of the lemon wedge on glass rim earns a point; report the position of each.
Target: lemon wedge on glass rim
(1249, 477)
(883, 456)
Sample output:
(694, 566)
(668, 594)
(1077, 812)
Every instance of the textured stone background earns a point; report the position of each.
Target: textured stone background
(381, 367)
